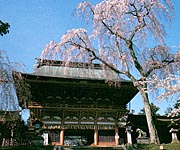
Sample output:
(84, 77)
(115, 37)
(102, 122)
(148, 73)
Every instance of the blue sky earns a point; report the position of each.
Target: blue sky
(36, 22)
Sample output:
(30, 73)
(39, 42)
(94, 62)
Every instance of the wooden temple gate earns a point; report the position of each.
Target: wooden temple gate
(76, 98)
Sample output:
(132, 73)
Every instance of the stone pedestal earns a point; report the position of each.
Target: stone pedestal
(142, 137)
(143, 140)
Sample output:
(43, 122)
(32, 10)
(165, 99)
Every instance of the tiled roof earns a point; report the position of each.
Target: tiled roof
(74, 70)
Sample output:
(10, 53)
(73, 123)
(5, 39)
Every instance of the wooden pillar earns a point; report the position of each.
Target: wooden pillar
(116, 136)
(62, 137)
(11, 141)
(95, 136)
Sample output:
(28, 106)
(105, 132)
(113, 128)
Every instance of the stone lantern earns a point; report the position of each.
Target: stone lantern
(173, 126)
(37, 139)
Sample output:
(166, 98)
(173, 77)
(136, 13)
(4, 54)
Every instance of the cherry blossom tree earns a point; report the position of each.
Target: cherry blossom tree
(9, 103)
(127, 37)
(169, 85)
(11, 85)
(8, 98)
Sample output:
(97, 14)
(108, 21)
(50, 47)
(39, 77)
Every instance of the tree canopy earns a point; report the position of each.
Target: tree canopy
(154, 110)
(175, 110)
(4, 28)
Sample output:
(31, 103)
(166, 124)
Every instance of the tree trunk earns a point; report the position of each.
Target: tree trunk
(154, 138)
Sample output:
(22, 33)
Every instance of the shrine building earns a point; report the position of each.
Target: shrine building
(79, 102)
